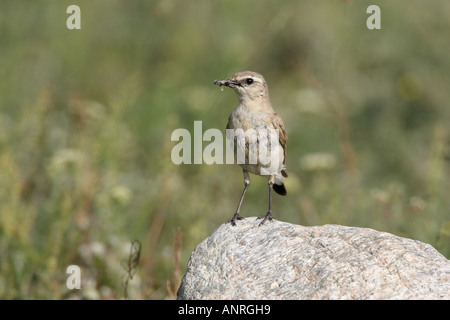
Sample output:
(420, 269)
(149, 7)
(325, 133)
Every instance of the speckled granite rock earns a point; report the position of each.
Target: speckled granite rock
(285, 261)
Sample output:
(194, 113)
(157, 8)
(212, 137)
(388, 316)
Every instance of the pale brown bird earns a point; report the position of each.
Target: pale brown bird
(264, 133)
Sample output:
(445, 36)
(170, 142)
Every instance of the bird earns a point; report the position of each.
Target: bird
(263, 130)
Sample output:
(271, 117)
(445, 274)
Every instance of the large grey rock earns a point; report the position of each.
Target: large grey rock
(284, 261)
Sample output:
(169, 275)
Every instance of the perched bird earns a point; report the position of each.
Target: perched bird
(263, 131)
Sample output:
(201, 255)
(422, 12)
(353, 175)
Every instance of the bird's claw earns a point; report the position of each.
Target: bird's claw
(235, 217)
(268, 216)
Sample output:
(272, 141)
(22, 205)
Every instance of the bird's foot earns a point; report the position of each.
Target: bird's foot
(235, 217)
(268, 216)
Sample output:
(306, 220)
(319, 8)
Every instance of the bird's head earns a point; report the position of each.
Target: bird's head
(248, 85)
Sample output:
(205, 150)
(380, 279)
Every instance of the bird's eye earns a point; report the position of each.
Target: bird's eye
(249, 80)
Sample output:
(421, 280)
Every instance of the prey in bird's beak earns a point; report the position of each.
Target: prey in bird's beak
(227, 82)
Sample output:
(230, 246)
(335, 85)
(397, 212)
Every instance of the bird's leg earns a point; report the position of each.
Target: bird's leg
(268, 215)
(246, 184)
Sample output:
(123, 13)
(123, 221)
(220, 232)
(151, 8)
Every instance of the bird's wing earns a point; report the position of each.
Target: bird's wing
(278, 124)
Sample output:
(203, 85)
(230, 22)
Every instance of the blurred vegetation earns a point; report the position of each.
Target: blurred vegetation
(86, 118)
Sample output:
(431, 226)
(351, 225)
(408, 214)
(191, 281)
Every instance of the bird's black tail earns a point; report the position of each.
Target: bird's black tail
(280, 189)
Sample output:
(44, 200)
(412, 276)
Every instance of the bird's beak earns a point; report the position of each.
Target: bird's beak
(227, 82)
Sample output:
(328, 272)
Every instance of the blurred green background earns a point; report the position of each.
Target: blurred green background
(86, 118)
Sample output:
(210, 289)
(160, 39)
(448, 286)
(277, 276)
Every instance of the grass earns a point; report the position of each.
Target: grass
(86, 118)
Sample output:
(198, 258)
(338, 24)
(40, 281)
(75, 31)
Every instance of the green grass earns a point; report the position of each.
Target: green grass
(86, 118)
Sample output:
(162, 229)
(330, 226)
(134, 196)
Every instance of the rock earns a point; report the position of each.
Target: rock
(285, 261)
